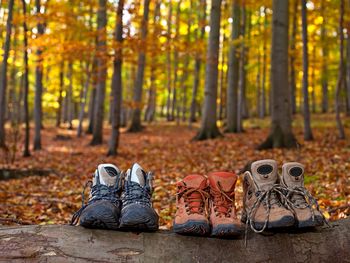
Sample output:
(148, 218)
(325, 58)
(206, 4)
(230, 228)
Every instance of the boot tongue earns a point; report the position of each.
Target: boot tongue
(137, 175)
(106, 174)
(227, 181)
(293, 175)
(195, 181)
(264, 173)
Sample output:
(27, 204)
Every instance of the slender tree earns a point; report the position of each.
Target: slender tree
(281, 115)
(136, 112)
(26, 151)
(242, 73)
(209, 127)
(324, 73)
(101, 73)
(60, 97)
(117, 81)
(198, 61)
(306, 108)
(152, 92)
(341, 72)
(293, 56)
(264, 67)
(168, 60)
(3, 73)
(233, 71)
(38, 83)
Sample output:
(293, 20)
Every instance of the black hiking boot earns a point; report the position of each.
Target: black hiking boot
(104, 205)
(137, 212)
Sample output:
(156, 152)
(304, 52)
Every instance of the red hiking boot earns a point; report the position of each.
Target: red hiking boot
(223, 216)
(192, 206)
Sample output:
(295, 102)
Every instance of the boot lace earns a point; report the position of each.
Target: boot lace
(135, 193)
(196, 200)
(98, 192)
(223, 201)
(268, 199)
(300, 197)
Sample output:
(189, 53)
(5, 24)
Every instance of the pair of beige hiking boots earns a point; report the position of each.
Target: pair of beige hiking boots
(206, 205)
(277, 201)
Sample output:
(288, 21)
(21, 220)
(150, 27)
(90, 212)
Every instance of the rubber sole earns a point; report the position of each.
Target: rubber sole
(198, 228)
(284, 222)
(102, 214)
(139, 218)
(310, 223)
(226, 231)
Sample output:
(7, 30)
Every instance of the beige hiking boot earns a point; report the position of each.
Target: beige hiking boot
(305, 206)
(223, 216)
(262, 207)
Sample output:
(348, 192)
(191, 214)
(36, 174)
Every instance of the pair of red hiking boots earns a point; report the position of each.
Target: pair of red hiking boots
(207, 205)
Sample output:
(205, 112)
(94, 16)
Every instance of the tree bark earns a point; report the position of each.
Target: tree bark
(152, 95)
(3, 73)
(281, 115)
(209, 127)
(198, 61)
(341, 73)
(26, 151)
(60, 98)
(136, 125)
(293, 57)
(62, 243)
(101, 73)
(38, 84)
(264, 70)
(306, 108)
(117, 88)
(69, 95)
(84, 99)
(168, 60)
(347, 74)
(242, 74)
(324, 74)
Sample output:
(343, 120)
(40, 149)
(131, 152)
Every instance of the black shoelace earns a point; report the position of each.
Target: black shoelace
(135, 193)
(98, 192)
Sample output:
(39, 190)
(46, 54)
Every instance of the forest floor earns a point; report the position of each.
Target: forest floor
(167, 150)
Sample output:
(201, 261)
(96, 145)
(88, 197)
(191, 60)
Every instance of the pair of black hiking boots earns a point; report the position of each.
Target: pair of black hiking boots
(118, 201)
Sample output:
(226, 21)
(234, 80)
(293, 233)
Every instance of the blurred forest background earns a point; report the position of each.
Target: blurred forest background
(155, 81)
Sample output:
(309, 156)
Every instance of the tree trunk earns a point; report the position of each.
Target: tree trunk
(152, 95)
(324, 74)
(347, 74)
(60, 98)
(293, 57)
(341, 73)
(313, 81)
(184, 77)
(117, 90)
(209, 127)
(38, 85)
(168, 60)
(26, 151)
(92, 99)
(281, 115)
(222, 72)
(264, 70)
(3, 73)
(62, 243)
(70, 96)
(176, 62)
(136, 125)
(101, 73)
(242, 79)
(306, 109)
(84, 99)
(198, 61)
